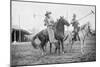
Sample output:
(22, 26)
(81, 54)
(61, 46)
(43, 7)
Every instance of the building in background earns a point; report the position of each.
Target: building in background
(18, 35)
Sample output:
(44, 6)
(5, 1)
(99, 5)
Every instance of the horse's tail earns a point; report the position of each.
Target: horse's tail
(34, 37)
(33, 41)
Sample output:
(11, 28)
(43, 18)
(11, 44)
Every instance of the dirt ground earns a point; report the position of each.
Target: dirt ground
(25, 54)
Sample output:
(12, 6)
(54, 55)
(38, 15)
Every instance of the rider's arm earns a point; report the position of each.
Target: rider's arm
(77, 23)
(45, 22)
(51, 21)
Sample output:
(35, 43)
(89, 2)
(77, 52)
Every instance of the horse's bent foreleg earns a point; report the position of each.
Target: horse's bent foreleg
(43, 48)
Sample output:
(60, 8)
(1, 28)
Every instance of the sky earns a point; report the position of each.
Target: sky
(30, 15)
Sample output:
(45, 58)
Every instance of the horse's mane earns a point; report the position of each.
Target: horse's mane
(83, 26)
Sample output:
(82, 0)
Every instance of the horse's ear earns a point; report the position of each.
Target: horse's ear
(57, 20)
(62, 16)
(88, 23)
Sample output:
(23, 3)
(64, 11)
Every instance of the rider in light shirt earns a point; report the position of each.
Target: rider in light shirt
(49, 22)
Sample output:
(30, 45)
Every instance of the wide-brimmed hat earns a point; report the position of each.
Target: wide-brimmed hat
(74, 15)
(47, 13)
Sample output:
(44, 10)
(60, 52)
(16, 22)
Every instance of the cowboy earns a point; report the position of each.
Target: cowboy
(49, 22)
(75, 24)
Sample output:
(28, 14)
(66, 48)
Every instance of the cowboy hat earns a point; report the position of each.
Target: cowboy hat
(47, 13)
(74, 15)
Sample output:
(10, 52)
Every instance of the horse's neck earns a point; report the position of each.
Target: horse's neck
(87, 28)
(60, 28)
(84, 28)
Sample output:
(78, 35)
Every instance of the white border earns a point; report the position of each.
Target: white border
(5, 33)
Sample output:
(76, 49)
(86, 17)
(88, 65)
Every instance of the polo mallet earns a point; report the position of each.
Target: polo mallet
(92, 12)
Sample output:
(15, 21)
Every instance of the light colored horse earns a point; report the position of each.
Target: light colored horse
(83, 32)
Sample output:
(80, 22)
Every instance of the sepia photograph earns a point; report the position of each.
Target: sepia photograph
(44, 33)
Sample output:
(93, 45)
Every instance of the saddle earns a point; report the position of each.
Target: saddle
(75, 33)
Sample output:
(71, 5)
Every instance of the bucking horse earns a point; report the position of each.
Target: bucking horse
(59, 35)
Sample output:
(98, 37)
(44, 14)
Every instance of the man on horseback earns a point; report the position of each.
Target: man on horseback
(75, 24)
(49, 22)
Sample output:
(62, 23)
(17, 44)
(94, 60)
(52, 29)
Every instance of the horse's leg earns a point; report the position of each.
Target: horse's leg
(82, 37)
(71, 43)
(43, 44)
(81, 42)
(62, 46)
(58, 45)
(78, 37)
(41, 49)
(82, 46)
(55, 49)
(50, 47)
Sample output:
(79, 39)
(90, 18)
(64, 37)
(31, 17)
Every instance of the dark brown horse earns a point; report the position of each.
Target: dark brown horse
(59, 35)
(59, 31)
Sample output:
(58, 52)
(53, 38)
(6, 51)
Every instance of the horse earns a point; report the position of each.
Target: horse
(43, 37)
(83, 32)
(58, 32)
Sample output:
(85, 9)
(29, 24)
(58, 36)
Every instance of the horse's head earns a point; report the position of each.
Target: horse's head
(86, 27)
(65, 22)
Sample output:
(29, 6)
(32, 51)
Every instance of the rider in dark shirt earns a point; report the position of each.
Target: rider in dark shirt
(75, 24)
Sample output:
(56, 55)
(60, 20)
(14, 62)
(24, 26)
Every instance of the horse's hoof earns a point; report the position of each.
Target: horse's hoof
(42, 54)
(71, 51)
(58, 54)
(63, 52)
(82, 52)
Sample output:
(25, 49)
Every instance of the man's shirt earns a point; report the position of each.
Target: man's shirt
(48, 21)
